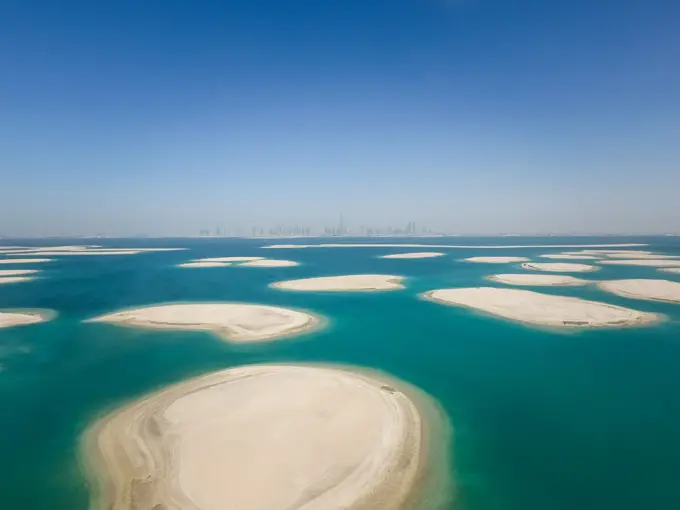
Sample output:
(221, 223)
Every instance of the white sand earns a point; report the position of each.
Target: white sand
(564, 256)
(607, 252)
(264, 437)
(269, 263)
(496, 260)
(548, 280)
(491, 247)
(641, 256)
(415, 255)
(229, 259)
(14, 279)
(652, 290)
(21, 318)
(17, 272)
(204, 264)
(543, 309)
(642, 262)
(560, 267)
(675, 270)
(234, 322)
(23, 261)
(354, 282)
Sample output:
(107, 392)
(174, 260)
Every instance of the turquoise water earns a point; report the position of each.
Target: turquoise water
(542, 419)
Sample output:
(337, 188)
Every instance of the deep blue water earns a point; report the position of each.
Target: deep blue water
(542, 419)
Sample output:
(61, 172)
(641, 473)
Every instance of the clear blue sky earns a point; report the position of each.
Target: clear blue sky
(166, 116)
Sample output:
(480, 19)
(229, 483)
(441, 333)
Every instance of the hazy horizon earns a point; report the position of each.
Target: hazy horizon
(471, 117)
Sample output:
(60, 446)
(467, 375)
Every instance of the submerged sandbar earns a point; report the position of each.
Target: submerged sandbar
(547, 280)
(293, 437)
(354, 282)
(543, 309)
(652, 290)
(234, 322)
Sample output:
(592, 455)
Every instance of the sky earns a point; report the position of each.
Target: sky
(470, 116)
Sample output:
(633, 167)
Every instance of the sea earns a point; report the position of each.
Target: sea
(542, 419)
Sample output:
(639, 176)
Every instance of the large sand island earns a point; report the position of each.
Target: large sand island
(270, 437)
(560, 267)
(415, 255)
(234, 322)
(354, 282)
(542, 309)
(652, 290)
(642, 262)
(547, 280)
(24, 317)
(496, 260)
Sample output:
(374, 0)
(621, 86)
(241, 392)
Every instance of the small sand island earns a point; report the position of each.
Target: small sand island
(547, 280)
(204, 264)
(229, 259)
(560, 267)
(643, 256)
(233, 322)
(17, 272)
(240, 262)
(566, 256)
(675, 270)
(269, 263)
(347, 283)
(496, 260)
(415, 255)
(642, 262)
(76, 253)
(542, 309)
(289, 437)
(24, 317)
(651, 290)
(23, 261)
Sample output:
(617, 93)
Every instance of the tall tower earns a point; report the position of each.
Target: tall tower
(341, 226)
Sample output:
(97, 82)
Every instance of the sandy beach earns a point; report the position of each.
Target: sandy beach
(291, 437)
(22, 318)
(547, 280)
(496, 260)
(233, 322)
(651, 290)
(560, 267)
(415, 255)
(348, 283)
(642, 262)
(24, 261)
(204, 264)
(270, 263)
(542, 309)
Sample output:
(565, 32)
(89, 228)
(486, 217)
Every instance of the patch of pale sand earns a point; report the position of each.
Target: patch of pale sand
(496, 260)
(80, 253)
(229, 259)
(23, 261)
(548, 280)
(269, 263)
(233, 322)
(269, 437)
(650, 256)
(542, 309)
(652, 290)
(346, 283)
(17, 272)
(675, 270)
(24, 317)
(204, 264)
(415, 255)
(642, 262)
(560, 267)
(15, 279)
(378, 245)
(566, 256)
(605, 253)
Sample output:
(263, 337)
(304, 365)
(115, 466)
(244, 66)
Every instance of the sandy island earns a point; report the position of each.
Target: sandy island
(348, 283)
(642, 262)
(204, 264)
(17, 272)
(560, 267)
(269, 263)
(271, 437)
(15, 279)
(76, 252)
(652, 290)
(403, 245)
(547, 280)
(675, 270)
(566, 256)
(21, 318)
(229, 259)
(543, 309)
(233, 322)
(415, 255)
(496, 260)
(23, 261)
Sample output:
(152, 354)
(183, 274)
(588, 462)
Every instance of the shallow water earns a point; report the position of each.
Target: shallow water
(542, 419)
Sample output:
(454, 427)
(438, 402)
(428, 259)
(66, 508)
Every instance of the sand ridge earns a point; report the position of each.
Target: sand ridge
(496, 260)
(345, 283)
(548, 280)
(542, 309)
(652, 290)
(414, 255)
(343, 440)
(233, 322)
(560, 267)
